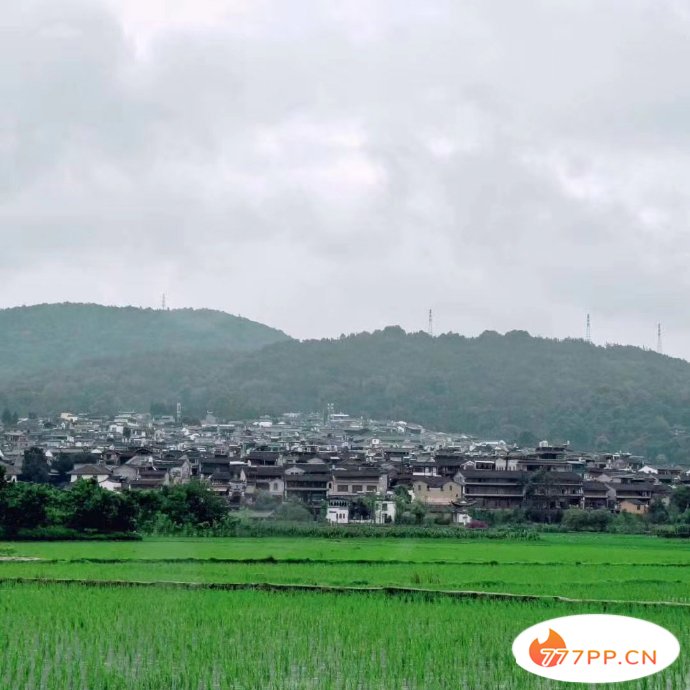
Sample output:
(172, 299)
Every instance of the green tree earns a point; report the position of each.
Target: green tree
(63, 465)
(7, 419)
(91, 507)
(293, 511)
(192, 504)
(680, 498)
(24, 506)
(35, 466)
(580, 520)
(657, 513)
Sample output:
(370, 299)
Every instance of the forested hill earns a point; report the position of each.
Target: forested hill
(511, 386)
(49, 336)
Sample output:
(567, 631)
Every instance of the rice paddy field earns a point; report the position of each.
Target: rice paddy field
(380, 614)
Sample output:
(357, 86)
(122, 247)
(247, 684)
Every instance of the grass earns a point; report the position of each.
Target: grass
(550, 548)
(61, 636)
(78, 635)
(632, 583)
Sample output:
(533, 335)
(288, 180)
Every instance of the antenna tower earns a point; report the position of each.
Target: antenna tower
(588, 337)
(163, 302)
(659, 347)
(431, 322)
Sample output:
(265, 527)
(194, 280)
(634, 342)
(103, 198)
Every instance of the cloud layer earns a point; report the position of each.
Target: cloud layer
(329, 167)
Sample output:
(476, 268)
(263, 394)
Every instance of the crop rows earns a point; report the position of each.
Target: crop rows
(68, 636)
(630, 583)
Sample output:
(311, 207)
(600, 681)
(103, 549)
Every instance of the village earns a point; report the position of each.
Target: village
(342, 469)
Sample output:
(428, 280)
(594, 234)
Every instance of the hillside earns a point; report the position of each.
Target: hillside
(46, 337)
(512, 386)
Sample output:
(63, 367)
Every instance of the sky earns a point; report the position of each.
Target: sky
(329, 167)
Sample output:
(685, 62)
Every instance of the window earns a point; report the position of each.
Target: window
(341, 488)
(356, 488)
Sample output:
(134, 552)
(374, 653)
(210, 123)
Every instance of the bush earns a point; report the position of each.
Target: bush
(56, 533)
(578, 520)
(293, 511)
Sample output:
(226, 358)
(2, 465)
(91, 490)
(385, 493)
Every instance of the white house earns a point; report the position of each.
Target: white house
(103, 476)
(338, 512)
(384, 511)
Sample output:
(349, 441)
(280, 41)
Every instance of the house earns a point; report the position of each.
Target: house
(423, 468)
(338, 512)
(103, 476)
(357, 481)
(268, 479)
(594, 495)
(493, 488)
(637, 492)
(307, 483)
(633, 495)
(147, 478)
(384, 511)
(448, 464)
(555, 490)
(634, 506)
(436, 491)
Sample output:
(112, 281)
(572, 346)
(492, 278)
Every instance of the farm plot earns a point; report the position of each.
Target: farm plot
(84, 637)
(619, 582)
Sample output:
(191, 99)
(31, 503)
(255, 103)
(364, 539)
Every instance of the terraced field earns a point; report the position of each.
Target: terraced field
(156, 614)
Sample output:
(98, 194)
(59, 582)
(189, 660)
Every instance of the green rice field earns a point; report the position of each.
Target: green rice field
(74, 619)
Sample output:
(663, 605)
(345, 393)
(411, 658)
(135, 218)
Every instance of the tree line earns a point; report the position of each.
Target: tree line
(36, 510)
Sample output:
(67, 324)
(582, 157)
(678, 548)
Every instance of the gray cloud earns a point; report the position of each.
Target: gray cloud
(329, 167)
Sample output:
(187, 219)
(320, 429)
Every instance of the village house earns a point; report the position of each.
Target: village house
(103, 476)
(357, 481)
(266, 479)
(503, 489)
(436, 491)
(308, 483)
(594, 495)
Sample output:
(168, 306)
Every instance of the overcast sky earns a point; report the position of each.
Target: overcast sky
(329, 166)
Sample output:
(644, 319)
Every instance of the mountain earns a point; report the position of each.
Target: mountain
(512, 386)
(50, 337)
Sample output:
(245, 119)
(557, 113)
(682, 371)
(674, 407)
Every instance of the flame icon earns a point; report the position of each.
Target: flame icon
(551, 652)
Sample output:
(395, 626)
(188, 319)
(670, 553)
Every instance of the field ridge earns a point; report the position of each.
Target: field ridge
(393, 590)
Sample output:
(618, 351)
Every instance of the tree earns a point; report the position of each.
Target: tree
(263, 500)
(579, 520)
(35, 466)
(293, 511)
(540, 497)
(363, 508)
(7, 418)
(418, 511)
(192, 503)
(91, 507)
(63, 465)
(24, 506)
(526, 439)
(657, 513)
(680, 498)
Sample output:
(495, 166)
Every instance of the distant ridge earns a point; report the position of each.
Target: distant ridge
(514, 386)
(44, 337)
